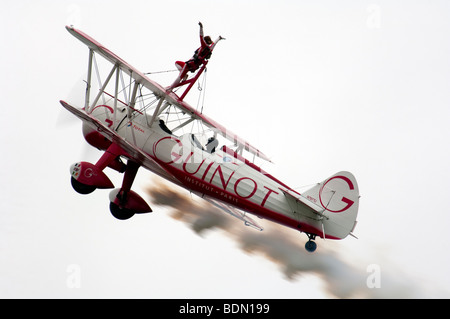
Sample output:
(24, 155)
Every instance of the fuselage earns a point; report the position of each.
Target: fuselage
(222, 174)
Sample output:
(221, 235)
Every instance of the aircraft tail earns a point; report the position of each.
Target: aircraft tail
(338, 196)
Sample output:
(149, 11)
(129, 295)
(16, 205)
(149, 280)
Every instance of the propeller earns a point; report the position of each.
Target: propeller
(66, 121)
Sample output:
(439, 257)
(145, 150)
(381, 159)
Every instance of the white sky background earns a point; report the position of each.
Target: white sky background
(319, 86)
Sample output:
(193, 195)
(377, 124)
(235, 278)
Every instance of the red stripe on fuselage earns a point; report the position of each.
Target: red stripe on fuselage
(191, 182)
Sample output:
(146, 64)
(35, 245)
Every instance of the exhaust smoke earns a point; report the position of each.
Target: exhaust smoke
(283, 246)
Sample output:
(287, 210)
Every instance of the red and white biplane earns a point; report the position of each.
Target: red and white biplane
(132, 118)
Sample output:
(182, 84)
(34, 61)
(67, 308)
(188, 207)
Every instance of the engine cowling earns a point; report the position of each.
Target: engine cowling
(105, 114)
(95, 138)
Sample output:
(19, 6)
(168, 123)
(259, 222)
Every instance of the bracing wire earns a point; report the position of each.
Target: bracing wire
(201, 95)
(204, 90)
(158, 72)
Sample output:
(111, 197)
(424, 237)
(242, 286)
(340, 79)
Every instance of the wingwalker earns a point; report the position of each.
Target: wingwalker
(134, 119)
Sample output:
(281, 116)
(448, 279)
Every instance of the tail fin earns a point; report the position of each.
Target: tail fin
(339, 196)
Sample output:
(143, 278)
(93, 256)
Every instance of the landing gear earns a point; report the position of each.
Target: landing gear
(124, 202)
(311, 245)
(82, 188)
(120, 213)
(87, 177)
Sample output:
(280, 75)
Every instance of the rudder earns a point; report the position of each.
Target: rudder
(339, 196)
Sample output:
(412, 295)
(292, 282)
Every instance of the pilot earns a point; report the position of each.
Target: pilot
(164, 127)
(211, 145)
(202, 54)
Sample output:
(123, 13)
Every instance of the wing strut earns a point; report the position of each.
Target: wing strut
(89, 77)
(116, 92)
(156, 112)
(115, 67)
(133, 99)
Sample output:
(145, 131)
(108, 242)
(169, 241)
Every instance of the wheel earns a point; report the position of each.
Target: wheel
(310, 246)
(82, 188)
(120, 213)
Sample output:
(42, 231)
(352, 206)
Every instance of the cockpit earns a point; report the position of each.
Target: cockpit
(210, 145)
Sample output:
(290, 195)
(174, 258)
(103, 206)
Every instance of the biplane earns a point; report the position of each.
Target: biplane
(137, 122)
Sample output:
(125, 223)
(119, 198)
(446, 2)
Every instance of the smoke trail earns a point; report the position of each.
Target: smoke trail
(199, 217)
(279, 245)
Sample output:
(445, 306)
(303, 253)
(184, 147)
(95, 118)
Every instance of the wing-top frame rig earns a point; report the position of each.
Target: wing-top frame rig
(128, 98)
(139, 95)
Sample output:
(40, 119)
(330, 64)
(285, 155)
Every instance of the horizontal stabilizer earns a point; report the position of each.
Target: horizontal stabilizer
(299, 198)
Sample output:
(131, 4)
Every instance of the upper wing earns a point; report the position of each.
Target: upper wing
(114, 59)
(170, 97)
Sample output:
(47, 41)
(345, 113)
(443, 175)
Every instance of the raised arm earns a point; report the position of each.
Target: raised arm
(202, 39)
